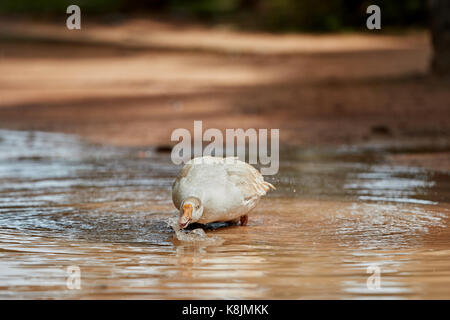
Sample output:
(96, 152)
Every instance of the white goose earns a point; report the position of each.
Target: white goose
(212, 189)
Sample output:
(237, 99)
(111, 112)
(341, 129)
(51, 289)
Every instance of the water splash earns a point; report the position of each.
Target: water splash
(193, 236)
(107, 209)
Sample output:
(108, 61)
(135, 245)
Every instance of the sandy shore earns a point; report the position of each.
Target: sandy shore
(133, 83)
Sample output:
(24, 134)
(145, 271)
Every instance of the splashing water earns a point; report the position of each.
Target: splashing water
(193, 236)
(336, 212)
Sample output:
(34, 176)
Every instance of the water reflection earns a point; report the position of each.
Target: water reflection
(65, 202)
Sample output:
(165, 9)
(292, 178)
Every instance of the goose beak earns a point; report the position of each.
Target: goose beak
(186, 216)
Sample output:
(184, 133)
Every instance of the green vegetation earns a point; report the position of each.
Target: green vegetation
(272, 15)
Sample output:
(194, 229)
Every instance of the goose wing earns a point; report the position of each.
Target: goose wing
(249, 180)
(246, 178)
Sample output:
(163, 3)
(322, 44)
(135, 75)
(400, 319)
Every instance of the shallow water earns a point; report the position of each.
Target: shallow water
(336, 214)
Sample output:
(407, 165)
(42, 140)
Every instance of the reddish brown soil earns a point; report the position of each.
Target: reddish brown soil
(132, 84)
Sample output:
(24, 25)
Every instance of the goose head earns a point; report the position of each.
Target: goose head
(191, 210)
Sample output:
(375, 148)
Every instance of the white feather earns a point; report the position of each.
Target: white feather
(227, 187)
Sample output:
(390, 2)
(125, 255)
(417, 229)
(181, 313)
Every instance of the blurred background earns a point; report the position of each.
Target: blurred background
(139, 69)
(270, 15)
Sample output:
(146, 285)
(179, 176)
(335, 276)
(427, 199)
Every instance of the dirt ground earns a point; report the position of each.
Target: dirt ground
(132, 83)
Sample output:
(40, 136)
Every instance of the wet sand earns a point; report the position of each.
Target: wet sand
(364, 177)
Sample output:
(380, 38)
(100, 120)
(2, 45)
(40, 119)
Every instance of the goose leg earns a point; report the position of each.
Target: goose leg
(234, 221)
(244, 220)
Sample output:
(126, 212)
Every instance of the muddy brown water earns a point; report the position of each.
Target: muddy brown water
(337, 215)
